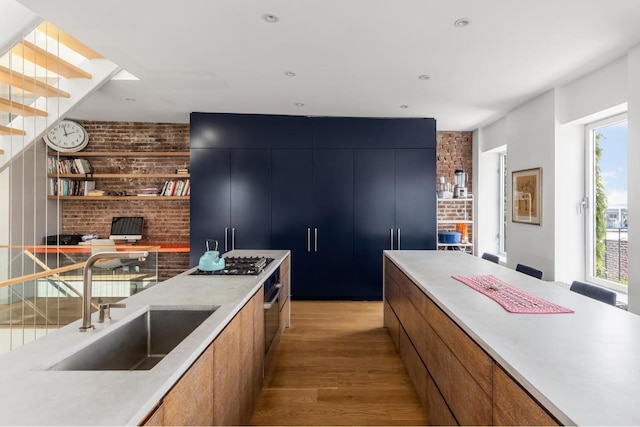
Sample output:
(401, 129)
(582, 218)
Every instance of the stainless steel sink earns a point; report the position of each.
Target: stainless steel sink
(140, 343)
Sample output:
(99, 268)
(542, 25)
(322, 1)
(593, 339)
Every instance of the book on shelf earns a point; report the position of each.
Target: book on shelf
(182, 170)
(150, 191)
(176, 187)
(70, 187)
(68, 166)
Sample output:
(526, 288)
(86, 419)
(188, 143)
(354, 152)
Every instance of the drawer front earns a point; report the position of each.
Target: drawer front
(437, 408)
(415, 368)
(467, 400)
(470, 355)
(512, 405)
(392, 324)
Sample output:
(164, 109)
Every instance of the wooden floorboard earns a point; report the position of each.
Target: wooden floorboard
(337, 365)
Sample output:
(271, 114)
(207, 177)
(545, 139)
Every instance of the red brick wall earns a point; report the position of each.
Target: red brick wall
(164, 221)
(454, 150)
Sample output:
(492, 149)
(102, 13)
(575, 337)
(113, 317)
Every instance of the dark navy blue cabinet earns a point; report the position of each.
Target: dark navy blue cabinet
(210, 206)
(249, 131)
(416, 199)
(292, 211)
(250, 199)
(333, 227)
(374, 213)
(354, 132)
(230, 199)
(335, 191)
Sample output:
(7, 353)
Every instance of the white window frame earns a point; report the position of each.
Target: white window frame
(590, 225)
(503, 194)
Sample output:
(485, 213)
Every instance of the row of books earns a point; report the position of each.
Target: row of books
(66, 166)
(176, 187)
(70, 187)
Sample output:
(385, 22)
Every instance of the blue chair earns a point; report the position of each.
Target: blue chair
(533, 272)
(491, 257)
(594, 292)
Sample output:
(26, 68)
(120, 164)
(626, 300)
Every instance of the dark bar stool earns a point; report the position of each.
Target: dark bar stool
(533, 272)
(595, 292)
(491, 257)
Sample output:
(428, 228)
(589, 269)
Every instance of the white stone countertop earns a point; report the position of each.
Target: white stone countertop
(583, 367)
(32, 395)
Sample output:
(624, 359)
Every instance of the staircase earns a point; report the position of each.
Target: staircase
(43, 76)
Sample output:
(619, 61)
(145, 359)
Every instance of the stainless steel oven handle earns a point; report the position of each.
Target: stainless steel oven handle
(308, 239)
(398, 239)
(268, 305)
(391, 237)
(316, 239)
(226, 239)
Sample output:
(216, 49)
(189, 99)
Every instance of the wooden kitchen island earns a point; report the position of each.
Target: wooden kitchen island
(474, 363)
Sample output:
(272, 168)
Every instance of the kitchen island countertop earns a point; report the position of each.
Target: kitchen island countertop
(32, 395)
(582, 367)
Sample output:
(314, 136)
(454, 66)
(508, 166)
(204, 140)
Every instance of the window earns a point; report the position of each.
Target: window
(606, 220)
(503, 204)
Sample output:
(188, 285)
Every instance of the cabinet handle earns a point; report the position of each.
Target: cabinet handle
(226, 239)
(398, 247)
(308, 239)
(391, 237)
(233, 239)
(316, 239)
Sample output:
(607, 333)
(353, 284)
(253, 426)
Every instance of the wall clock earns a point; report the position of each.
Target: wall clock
(66, 136)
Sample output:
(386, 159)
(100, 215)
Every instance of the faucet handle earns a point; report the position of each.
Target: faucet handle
(105, 310)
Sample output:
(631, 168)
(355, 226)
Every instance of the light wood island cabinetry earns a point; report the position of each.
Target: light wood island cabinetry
(222, 386)
(457, 381)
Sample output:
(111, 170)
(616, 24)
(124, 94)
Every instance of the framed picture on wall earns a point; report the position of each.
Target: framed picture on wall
(527, 196)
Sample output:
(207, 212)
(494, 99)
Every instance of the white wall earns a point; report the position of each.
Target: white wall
(489, 141)
(633, 194)
(531, 139)
(600, 94)
(569, 189)
(548, 132)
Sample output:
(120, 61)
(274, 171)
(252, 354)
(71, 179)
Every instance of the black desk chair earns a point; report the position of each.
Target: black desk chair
(491, 257)
(595, 292)
(533, 272)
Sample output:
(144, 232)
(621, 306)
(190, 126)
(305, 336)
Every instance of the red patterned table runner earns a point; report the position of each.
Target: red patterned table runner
(513, 300)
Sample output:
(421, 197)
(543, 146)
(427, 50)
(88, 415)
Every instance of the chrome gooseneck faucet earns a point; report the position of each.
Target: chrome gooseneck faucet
(86, 279)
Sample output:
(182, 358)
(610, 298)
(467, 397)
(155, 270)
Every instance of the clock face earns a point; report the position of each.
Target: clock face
(67, 136)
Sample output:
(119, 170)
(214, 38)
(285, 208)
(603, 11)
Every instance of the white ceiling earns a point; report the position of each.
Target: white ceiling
(351, 57)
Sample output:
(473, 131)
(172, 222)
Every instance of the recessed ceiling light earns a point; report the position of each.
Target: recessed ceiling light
(462, 22)
(299, 104)
(404, 106)
(130, 99)
(424, 77)
(270, 18)
(289, 74)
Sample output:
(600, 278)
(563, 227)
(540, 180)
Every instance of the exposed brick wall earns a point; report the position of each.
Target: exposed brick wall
(164, 221)
(454, 150)
(616, 261)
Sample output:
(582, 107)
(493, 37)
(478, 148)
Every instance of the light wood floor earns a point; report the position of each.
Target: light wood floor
(337, 365)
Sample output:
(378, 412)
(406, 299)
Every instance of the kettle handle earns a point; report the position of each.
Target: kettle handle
(206, 242)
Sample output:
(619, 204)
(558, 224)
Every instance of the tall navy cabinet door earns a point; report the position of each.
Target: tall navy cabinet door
(415, 198)
(210, 202)
(292, 212)
(332, 233)
(250, 199)
(374, 213)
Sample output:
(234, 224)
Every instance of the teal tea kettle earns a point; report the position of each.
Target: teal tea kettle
(211, 260)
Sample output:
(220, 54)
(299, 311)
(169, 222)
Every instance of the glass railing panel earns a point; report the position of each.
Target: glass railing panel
(41, 287)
